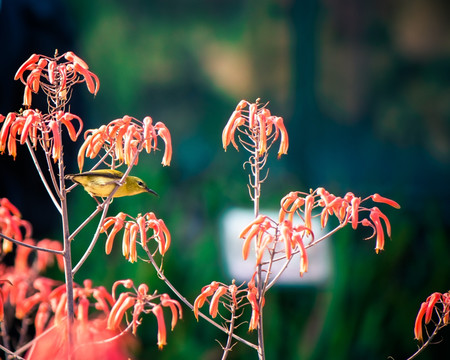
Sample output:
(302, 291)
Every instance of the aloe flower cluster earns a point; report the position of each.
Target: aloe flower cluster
(70, 319)
(133, 229)
(266, 240)
(437, 304)
(123, 139)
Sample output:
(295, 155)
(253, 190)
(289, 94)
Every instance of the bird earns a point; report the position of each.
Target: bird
(102, 182)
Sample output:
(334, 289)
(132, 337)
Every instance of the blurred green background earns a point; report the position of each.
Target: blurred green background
(364, 89)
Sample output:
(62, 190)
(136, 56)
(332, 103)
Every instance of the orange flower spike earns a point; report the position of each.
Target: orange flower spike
(298, 203)
(261, 119)
(119, 154)
(127, 283)
(149, 134)
(99, 136)
(381, 199)
(418, 324)
(214, 305)
(285, 203)
(2, 310)
(27, 97)
(208, 290)
(158, 312)
(239, 122)
(259, 220)
(51, 72)
(126, 240)
(4, 202)
(253, 108)
(265, 240)
(355, 210)
(57, 142)
(446, 302)
(167, 237)
(119, 221)
(82, 151)
(133, 234)
(286, 236)
(70, 56)
(251, 297)
(247, 241)
(91, 79)
(284, 142)
(128, 148)
(27, 65)
(375, 217)
(175, 308)
(309, 204)
(15, 130)
(33, 79)
(303, 256)
(431, 301)
(82, 310)
(31, 120)
(123, 303)
(140, 221)
(62, 69)
(242, 105)
(269, 123)
(232, 289)
(41, 318)
(164, 134)
(66, 119)
(60, 310)
(102, 303)
(228, 130)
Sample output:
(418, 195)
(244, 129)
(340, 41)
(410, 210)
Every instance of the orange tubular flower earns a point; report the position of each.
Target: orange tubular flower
(11, 225)
(286, 236)
(158, 312)
(297, 239)
(164, 133)
(380, 199)
(252, 297)
(118, 222)
(375, 215)
(257, 125)
(207, 291)
(216, 291)
(214, 305)
(175, 308)
(257, 228)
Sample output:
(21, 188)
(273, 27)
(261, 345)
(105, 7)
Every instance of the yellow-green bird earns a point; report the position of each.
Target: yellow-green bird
(102, 182)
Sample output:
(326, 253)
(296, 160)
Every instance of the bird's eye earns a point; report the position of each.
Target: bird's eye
(140, 183)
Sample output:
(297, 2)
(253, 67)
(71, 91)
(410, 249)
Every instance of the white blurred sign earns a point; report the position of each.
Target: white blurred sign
(319, 256)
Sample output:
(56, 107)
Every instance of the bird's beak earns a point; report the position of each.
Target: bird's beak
(151, 191)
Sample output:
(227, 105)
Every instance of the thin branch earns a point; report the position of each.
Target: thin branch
(11, 354)
(187, 303)
(88, 251)
(229, 345)
(422, 348)
(41, 174)
(37, 248)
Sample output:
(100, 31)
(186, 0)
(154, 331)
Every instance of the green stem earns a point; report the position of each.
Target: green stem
(256, 196)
